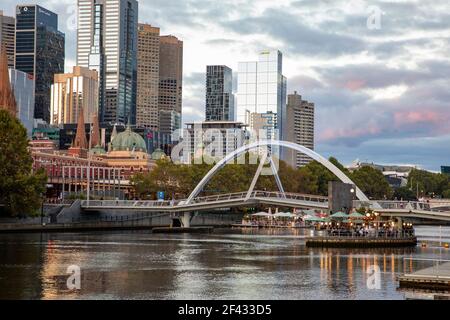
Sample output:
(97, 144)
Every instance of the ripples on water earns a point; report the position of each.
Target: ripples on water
(229, 264)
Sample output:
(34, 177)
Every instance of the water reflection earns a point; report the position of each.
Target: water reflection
(242, 264)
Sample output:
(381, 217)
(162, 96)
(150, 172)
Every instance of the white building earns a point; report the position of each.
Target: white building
(107, 42)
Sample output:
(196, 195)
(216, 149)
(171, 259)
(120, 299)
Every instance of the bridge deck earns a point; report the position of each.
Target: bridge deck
(421, 210)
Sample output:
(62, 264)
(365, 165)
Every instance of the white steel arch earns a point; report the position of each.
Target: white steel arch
(260, 143)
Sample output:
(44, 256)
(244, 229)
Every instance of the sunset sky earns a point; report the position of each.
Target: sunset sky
(381, 94)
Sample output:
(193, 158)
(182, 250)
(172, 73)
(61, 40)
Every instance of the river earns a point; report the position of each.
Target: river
(228, 264)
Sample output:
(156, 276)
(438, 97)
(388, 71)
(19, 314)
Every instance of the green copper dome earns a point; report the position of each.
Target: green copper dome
(97, 150)
(128, 141)
(158, 154)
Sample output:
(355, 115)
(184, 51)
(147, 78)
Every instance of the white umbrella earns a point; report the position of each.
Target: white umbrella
(284, 214)
(261, 214)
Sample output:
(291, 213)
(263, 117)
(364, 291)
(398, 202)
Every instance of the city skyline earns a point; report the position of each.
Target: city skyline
(395, 74)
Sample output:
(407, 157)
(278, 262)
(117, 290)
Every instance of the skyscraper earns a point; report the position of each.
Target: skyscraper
(22, 85)
(107, 42)
(170, 74)
(39, 51)
(262, 90)
(299, 129)
(8, 36)
(73, 92)
(169, 121)
(219, 94)
(148, 77)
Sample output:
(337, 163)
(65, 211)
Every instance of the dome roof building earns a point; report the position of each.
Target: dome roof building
(128, 141)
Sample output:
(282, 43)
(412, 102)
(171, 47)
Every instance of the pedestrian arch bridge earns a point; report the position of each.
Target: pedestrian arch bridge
(251, 197)
(400, 209)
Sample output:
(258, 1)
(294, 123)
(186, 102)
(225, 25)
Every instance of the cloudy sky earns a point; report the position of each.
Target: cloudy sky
(377, 71)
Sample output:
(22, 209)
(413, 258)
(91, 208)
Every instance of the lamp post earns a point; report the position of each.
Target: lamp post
(89, 167)
(376, 222)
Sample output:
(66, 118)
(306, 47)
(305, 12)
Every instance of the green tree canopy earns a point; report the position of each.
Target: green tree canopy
(20, 189)
(372, 182)
(427, 183)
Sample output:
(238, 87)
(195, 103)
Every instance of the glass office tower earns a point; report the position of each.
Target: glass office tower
(107, 42)
(219, 94)
(262, 92)
(39, 51)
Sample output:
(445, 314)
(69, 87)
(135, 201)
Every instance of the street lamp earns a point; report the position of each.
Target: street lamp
(376, 221)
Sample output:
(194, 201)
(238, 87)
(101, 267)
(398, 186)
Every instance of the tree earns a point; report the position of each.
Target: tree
(446, 194)
(318, 176)
(372, 182)
(427, 183)
(405, 194)
(21, 190)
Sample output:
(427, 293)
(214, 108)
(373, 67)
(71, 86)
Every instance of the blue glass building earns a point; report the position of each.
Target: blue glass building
(39, 51)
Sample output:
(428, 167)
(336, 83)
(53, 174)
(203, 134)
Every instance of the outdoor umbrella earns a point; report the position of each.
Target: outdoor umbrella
(309, 212)
(356, 215)
(283, 215)
(261, 214)
(339, 215)
(316, 219)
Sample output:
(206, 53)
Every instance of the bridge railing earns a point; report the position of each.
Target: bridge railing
(292, 196)
(203, 199)
(127, 203)
(394, 205)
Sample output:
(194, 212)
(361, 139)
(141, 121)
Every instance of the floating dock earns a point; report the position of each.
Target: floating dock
(436, 278)
(363, 242)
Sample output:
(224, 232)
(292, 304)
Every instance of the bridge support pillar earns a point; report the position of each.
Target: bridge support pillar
(186, 219)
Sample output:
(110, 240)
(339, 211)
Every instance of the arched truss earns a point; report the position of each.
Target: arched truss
(261, 143)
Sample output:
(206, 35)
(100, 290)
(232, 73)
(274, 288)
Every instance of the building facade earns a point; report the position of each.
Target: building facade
(219, 94)
(73, 92)
(23, 86)
(7, 99)
(264, 124)
(169, 121)
(299, 129)
(39, 51)
(215, 138)
(262, 90)
(170, 74)
(107, 42)
(8, 36)
(148, 77)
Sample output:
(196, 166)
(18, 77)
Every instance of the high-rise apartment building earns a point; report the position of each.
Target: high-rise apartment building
(107, 42)
(8, 36)
(170, 74)
(39, 51)
(262, 90)
(264, 124)
(299, 129)
(169, 121)
(147, 114)
(22, 85)
(215, 138)
(219, 94)
(73, 92)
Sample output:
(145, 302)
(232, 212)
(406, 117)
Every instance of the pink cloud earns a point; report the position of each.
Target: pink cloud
(330, 134)
(413, 117)
(354, 85)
